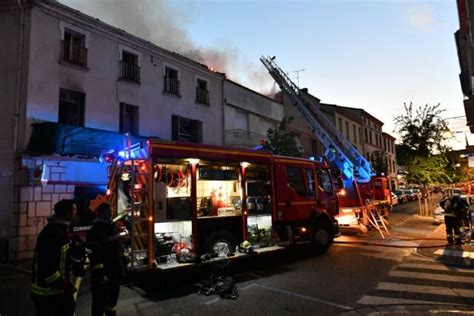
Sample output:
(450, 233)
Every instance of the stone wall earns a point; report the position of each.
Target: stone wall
(34, 202)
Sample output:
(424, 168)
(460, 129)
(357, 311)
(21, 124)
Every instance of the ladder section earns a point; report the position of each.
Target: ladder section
(339, 150)
(140, 213)
(377, 221)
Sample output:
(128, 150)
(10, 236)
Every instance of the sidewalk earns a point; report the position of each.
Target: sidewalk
(15, 286)
(456, 254)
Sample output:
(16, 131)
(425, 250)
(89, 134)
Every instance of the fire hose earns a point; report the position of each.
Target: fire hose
(366, 243)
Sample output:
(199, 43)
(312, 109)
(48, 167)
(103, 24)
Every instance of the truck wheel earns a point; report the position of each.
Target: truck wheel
(220, 242)
(321, 237)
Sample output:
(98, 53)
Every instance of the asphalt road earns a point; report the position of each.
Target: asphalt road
(345, 279)
(351, 277)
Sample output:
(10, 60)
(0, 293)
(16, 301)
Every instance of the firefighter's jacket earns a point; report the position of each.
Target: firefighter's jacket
(457, 208)
(51, 262)
(106, 250)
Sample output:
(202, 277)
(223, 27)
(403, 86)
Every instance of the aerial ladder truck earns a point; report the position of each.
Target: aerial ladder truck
(365, 198)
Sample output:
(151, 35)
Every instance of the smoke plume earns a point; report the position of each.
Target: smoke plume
(159, 23)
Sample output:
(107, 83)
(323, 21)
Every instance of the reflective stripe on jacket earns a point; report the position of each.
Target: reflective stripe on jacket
(51, 260)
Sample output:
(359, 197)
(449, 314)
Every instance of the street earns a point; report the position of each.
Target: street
(350, 278)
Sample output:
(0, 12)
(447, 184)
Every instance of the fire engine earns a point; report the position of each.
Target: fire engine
(179, 201)
(365, 199)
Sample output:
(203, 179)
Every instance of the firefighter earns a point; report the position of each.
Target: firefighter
(453, 207)
(106, 258)
(51, 289)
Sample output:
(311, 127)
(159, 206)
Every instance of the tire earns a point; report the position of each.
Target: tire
(220, 241)
(321, 236)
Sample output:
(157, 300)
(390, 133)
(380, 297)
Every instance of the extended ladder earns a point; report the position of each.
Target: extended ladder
(339, 149)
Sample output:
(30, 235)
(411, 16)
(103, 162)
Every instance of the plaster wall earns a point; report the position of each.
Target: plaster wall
(99, 81)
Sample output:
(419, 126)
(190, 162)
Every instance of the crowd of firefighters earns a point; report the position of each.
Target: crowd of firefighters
(59, 260)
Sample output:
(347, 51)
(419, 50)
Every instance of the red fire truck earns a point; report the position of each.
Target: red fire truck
(179, 201)
(366, 199)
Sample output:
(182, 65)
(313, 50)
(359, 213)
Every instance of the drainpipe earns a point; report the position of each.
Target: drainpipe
(16, 129)
(223, 112)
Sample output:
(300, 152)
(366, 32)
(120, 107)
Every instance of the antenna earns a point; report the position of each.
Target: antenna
(297, 72)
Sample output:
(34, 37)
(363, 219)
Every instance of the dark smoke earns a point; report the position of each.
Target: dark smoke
(159, 23)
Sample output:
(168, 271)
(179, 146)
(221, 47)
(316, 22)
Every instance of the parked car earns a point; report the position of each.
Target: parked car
(438, 215)
(410, 194)
(402, 198)
(394, 199)
(417, 193)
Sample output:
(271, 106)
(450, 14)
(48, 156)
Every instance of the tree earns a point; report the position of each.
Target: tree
(280, 141)
(429, 170)
(422, 130)
(422, 152)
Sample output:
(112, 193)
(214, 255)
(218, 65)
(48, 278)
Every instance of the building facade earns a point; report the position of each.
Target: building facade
(464, 43)
(248, 115)
(389, 149)
(67, 73)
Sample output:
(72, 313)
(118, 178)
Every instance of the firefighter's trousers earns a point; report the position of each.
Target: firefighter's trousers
(105, 297)
(54, 305)
(453, 232)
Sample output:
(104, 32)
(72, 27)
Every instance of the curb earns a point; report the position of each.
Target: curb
(411, 308)
(15, 268)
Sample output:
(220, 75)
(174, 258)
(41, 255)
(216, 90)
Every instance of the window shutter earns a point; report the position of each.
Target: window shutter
(197, 131)
(174, 127)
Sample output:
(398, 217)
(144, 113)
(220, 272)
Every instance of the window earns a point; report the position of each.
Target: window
(241, 120)
(340, 124)
(347, 130)
(202, 93)
(185, 129)
(355, 133)
(311, 182)
(71, 107)
(171, 85)
(366, 138)
(73, 48)
(295, 180)
(129, 69)
(324, 181)
(129, 119)
(370, 137)
(360, 135)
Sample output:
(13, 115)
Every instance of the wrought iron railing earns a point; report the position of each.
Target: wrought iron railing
(74, 54)
(202, 95)
(171, 85)
(243, 138)
(130, 72)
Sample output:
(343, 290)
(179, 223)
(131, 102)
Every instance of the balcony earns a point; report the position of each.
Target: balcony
(73, 54)
(242, 138)
(129, 72)
(202, 96)
(171, 85)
